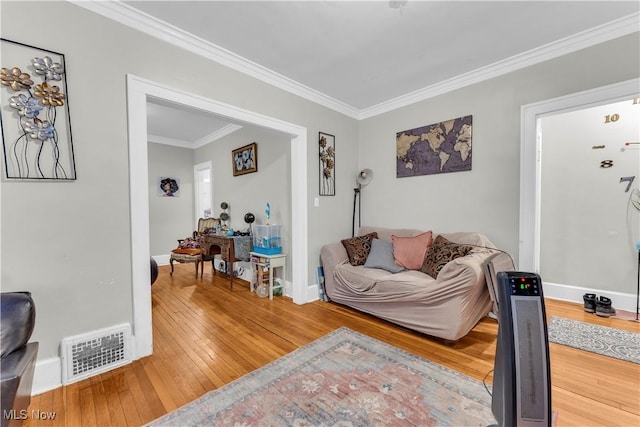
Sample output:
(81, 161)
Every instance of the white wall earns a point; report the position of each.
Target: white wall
(586, 240)
(251, 192)
(82, 280)
(83, 283)
(170, 218)
(485, 199)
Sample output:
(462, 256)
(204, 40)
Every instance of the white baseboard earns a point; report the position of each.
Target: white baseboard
(47, 375)
(48, 372)
(312, 293)
(620, 300)
(162, 259)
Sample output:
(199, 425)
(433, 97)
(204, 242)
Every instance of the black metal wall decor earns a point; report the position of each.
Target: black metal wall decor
(35, 120)
(327, 144)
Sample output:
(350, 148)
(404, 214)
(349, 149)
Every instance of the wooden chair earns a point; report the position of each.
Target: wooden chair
(189, 250)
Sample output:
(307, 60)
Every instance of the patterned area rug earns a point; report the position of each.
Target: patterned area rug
(606, 341)
(342, 379)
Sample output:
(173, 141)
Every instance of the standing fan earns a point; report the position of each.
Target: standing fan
(634, 200)
(362, 179)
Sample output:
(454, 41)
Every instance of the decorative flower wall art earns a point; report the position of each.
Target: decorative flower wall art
(327, 145)
(36, 129)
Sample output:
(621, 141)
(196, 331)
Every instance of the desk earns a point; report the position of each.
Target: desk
(230, 248)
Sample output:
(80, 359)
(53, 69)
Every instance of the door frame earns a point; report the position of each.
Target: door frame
(138, 91)
(530, 149)
(196, 187)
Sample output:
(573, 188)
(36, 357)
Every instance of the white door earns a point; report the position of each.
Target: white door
(204, 190)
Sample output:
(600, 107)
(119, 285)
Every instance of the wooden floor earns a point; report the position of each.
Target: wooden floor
(206, 336)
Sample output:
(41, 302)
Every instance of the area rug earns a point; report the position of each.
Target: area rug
(598, 339)
(342, 379)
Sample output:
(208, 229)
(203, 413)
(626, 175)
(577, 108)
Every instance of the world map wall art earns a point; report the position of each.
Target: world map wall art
(438, 148)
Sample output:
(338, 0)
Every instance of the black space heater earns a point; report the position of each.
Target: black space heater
(521, 395)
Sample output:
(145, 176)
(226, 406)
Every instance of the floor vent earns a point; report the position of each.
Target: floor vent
(90, 354)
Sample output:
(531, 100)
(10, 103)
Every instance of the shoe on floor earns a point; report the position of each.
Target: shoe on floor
(603, 307)
(589, 303)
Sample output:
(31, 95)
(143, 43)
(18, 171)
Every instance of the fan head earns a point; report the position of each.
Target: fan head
(364, 177)
(634, 198)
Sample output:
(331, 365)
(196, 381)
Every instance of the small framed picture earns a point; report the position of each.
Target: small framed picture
(245, 159)
(168, 186)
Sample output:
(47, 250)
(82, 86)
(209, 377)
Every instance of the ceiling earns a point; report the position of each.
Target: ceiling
(365, 57)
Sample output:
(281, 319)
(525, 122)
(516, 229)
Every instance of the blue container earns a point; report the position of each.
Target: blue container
(266, 239)
(268, 251)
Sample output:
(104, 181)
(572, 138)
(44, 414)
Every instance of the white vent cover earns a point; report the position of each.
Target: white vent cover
(99, 351)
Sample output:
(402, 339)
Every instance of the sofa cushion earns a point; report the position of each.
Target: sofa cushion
(381, 256)
(358, 248)
(409, 252)
(441, 252)
(361, 280)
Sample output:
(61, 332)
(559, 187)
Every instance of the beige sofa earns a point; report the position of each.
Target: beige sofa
(447, 307)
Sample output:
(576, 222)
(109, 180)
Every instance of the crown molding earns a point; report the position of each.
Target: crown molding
(200, 142)
(609, 31)
(156, 139)
(131, 17)
(214, 136)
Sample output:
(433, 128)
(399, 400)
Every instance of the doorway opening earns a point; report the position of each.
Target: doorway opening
(531, 171)
(203, 188)
(138, 92)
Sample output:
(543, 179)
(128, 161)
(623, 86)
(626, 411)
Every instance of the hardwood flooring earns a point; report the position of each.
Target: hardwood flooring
(206, 335)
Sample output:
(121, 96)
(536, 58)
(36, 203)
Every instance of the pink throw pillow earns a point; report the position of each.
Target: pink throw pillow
(409, 252)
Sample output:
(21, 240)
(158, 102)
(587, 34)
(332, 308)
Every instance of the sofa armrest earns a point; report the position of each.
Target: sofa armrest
(456, 266)
(332, 255)
(465, 276)
(474, 262)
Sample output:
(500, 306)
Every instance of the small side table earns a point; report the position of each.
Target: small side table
(267, 263)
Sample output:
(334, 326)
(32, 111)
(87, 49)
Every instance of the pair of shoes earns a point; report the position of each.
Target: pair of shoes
(603, 307)
(589, 303)
(598, 305)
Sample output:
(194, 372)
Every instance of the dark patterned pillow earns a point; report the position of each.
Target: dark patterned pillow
(441, 252)
(358, 248)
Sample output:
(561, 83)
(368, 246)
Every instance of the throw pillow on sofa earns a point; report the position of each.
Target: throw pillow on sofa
(381, 256)
(358, 248)
(441, 252)
(409, 252)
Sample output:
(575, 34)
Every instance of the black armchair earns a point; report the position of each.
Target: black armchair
(17, 358)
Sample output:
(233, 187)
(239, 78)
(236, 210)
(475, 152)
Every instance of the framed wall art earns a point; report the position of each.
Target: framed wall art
(245, 159)
(438, 148)
(327, 145)
(168, 186)
(36, 125)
